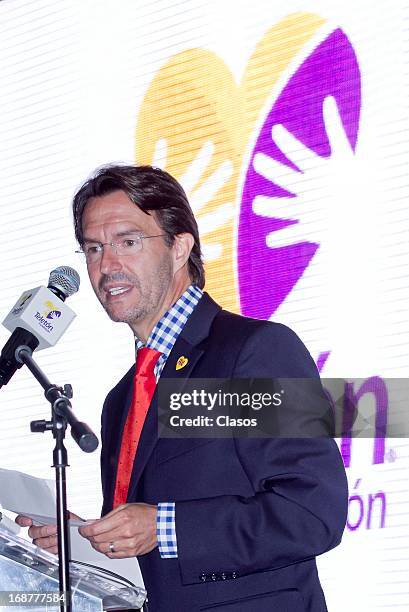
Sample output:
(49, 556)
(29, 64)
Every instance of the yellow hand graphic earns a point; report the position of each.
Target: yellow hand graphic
(187, 125)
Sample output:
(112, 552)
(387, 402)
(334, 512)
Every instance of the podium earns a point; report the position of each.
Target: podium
(29, 582)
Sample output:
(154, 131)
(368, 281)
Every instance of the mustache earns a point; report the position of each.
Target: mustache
(117, 277)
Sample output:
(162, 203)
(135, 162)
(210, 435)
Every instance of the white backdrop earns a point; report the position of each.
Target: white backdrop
(75, 78)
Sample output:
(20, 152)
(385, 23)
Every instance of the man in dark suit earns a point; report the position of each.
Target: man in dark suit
(228, 524)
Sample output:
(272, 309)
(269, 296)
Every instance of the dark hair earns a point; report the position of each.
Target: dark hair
(150, 189)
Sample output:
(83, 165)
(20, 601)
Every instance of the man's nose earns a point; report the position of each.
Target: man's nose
(110, 261)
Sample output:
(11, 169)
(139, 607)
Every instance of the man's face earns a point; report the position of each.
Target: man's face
(133, 289)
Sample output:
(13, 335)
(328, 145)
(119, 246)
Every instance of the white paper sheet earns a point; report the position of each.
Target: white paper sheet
(35, 497)
(22, 492)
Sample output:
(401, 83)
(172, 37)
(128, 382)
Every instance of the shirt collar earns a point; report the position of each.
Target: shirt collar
(168, 328)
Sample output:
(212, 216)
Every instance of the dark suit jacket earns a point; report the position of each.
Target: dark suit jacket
(251, 514)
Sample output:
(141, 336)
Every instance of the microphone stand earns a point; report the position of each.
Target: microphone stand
(61, 414)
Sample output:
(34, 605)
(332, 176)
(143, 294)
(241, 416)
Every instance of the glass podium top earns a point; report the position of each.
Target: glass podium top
(25, 568)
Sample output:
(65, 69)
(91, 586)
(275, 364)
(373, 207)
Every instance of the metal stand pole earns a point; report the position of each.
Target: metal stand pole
(63, 532)
(61, 414)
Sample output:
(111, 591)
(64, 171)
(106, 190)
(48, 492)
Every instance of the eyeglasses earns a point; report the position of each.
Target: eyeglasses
(93, 251)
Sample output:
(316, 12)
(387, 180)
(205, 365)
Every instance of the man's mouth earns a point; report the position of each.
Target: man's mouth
(118, 290)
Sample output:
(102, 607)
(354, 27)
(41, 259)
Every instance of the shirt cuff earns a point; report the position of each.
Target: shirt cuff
(166, 530)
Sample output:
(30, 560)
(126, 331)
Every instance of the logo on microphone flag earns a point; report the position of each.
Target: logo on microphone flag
(20, 304)
(51, 311)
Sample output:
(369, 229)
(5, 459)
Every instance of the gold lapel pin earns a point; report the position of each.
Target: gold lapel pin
(181, 362)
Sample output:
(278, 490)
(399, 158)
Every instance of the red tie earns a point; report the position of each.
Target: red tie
(143, 390)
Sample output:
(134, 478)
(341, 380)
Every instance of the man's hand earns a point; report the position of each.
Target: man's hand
(127, 531)
(44, 536)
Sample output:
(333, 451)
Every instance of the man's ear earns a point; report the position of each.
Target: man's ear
(181, 248)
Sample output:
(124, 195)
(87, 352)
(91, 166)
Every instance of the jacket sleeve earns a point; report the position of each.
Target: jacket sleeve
(299, 501)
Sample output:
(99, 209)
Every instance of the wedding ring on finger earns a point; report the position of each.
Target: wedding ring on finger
(111, 547)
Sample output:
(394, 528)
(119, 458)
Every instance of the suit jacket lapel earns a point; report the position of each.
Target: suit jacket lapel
(149, 436)
(115, 422)
(195, 331)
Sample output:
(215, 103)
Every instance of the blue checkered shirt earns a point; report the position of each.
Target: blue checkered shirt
(162, 339)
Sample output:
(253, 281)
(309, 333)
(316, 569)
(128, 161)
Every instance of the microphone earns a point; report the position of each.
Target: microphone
(39, 318)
